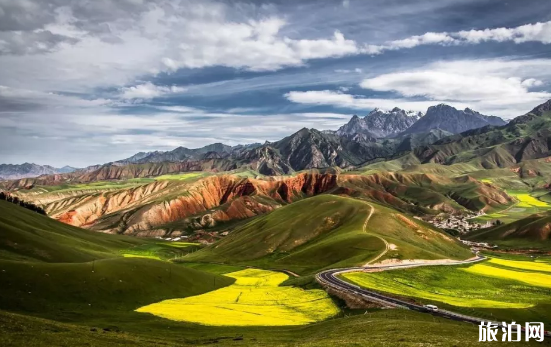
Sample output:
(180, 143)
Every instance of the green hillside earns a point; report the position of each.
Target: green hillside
(531, 232)
(372, 329)
(62, 290)
(54, 270)
(524, 138)
(328, 231)
(27, 235)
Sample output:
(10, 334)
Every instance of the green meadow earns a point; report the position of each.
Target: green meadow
(328, 231)
(65, 286)
(527, 203)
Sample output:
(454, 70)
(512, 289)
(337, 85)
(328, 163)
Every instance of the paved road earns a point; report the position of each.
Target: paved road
(330, 279)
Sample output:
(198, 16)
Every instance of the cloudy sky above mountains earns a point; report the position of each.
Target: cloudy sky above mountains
(85, 82)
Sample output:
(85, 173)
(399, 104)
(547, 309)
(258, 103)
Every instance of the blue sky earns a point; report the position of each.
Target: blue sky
(90, 82)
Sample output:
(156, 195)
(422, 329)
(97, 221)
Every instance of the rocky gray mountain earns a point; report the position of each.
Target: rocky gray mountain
(212, 151)
(28, 170)
(452, 120)
(380, 124)
(408, 142)
(524, 138)
(313, 149)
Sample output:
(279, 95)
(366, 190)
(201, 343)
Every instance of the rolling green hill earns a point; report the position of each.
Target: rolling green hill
(71, 287)
(51, 269)
(328, 231)
(27, 235)
(530, 232)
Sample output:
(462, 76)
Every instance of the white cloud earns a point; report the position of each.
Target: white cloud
(418, 40)
(499, 87)
(444, 85)
(537, 32)
(161, 37)
(149, 91)
(531, 82)
(339, 99)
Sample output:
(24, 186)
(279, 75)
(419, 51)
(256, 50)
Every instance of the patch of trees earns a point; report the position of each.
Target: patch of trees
(15, 200)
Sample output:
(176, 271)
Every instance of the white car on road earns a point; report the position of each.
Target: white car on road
(431, 307)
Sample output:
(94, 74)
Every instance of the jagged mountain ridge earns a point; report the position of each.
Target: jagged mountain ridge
(380, 124)
(313, 149)
(450, 119)
(525, 137)
(212, 151)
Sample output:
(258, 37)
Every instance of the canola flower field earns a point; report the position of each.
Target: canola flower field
(524, 265)
(496, 284)
(255, 299)
(160, 250)
(527, 200)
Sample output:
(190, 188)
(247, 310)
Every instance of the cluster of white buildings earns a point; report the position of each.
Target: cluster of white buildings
(478, 244)
(461, 223)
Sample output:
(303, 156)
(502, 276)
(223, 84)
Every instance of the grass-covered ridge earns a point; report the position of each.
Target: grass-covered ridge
(27, 235)
(255, 299)
(50, 268)
(532, 232)
(329, 231)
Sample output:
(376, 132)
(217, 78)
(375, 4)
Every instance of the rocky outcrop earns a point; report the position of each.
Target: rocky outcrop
(198, 205)
(380, 124)
(452, 120)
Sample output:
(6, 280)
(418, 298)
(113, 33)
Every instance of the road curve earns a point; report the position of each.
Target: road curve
(330, 279)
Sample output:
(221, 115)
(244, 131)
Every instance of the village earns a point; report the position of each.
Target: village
(461, 223)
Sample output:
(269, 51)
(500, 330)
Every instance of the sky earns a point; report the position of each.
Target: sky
(88, 82)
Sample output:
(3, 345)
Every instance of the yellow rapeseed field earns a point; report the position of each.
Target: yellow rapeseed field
(128, 255)
(525, 265)
(254, 299)
(532, 278)
(453, 296)
(526, 200)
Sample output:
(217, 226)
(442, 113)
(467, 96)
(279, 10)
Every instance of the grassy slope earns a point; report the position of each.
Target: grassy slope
(100, 304)
(55, 270)
(327, 231)
(379, 328)
(530, 232)
(26, 235)
(67, 290)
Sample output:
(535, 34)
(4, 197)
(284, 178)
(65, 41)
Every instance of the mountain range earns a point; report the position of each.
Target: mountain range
(379, 135)
(447, 118)
(525, 137)
(25, 170)
(380, 124)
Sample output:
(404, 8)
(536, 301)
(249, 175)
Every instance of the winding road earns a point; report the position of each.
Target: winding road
(330, 278)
